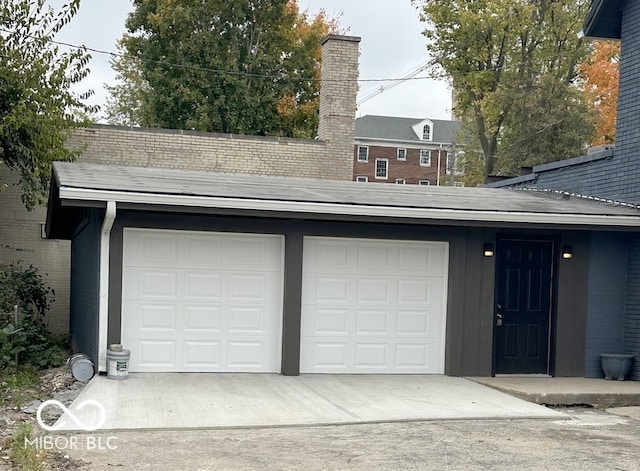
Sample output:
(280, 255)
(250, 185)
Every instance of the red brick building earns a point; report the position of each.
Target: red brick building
(404, 150)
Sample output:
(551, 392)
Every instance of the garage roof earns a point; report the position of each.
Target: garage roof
(77, 185)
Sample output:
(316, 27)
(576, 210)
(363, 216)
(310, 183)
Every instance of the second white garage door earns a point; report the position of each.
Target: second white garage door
(201, 301)
(373, 306)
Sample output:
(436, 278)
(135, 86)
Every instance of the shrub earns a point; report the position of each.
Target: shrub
(28, 341)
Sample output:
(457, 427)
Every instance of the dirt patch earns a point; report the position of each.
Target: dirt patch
(19, 405)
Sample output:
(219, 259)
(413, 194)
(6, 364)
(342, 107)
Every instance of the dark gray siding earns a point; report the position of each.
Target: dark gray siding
(470, 302)
(568, 325)
(632, 307)
(605, 299)
(85, 260)
(625, 175)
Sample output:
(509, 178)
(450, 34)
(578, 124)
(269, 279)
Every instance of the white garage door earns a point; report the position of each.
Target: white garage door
(201, 301)
(373, 306)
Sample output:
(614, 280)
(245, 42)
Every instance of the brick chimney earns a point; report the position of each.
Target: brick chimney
(339, 89)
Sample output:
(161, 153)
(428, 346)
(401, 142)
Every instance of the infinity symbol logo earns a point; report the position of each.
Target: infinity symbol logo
(82, 405)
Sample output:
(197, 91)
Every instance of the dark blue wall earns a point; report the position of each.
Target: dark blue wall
(632, 307)
(606, 295)
(85, 270)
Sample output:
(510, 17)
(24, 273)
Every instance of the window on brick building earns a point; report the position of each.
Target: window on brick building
(424, 182)
(363, 154)
(425, 158)
(400, 181)
(402, 154)
(362, 179)
(382, 168)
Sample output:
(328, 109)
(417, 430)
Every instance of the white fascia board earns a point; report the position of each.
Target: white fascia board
(305, 207)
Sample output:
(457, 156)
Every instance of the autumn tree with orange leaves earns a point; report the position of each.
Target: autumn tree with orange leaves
(600, 74)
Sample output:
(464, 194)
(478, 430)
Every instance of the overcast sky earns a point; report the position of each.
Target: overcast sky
(392, 45)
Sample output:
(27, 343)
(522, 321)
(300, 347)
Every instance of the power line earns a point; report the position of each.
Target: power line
(244, 74)
(408, 76)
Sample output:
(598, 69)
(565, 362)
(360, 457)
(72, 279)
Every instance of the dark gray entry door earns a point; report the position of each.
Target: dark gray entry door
(523, 306)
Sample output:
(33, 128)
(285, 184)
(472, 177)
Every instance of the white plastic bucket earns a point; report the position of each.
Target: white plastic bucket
(118, 362)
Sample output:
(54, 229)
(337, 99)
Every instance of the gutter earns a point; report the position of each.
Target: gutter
(103, 309)
(392, 212)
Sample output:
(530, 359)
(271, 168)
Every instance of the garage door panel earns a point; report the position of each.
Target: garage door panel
(216, 306)
(373, 290)
(329, 322)
(329, 290)
(205, 318)
(201, 354)
(249, 251)
(147, 249)
(249, 320)
(371, 322)
(379, 309)
(416, 323)
(373, 257)
(203, 251)
(248, 287)
(329, 257)
(371, 355)
(246, 354)
(411, 356)
(157, 353)
(151, 316)
(330, 356)
(202, 285)
(150, 283)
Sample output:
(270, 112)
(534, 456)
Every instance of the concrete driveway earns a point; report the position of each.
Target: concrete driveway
(198, 400)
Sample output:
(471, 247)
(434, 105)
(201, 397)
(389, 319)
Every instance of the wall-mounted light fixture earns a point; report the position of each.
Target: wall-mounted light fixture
(489, 250)
(567, 252)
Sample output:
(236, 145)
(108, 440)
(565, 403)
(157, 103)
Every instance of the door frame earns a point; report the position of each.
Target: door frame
(553, 301)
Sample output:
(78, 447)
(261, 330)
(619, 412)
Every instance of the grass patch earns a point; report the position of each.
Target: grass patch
(16, 385)
(24, 456)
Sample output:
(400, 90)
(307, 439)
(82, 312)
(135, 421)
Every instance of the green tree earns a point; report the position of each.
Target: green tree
(513, 66)
(125, 99)
(38, 109)
(233, 66)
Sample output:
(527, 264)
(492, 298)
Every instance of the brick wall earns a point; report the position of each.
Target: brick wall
(339, 88)
(410, 169)
(209, 152)
(329, 157)
(20, 241)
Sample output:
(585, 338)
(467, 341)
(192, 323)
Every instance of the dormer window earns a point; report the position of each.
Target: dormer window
(426, 132)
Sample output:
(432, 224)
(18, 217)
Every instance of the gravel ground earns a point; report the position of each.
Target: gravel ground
(587, 440)
(20, 406)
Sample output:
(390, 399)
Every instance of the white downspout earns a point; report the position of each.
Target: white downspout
(103, 312)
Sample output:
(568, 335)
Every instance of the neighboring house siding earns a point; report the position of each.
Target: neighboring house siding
(85, 253)
(21, 241)
(606, 295)
(410, 169)
(632, 307)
